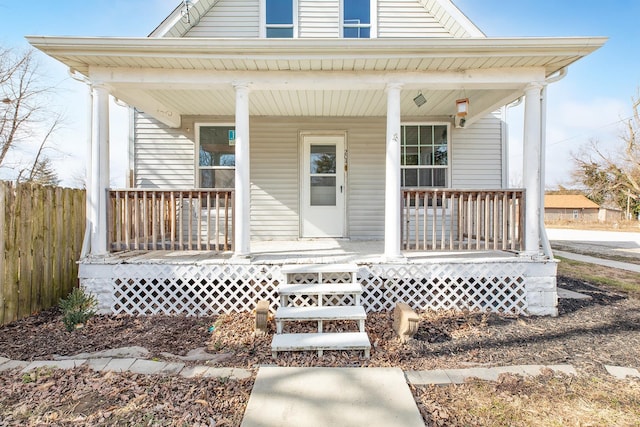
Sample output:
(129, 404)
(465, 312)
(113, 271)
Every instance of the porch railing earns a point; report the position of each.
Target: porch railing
(152, 219)
(469, 220)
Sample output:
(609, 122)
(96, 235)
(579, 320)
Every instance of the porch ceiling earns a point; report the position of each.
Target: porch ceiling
(169, 78)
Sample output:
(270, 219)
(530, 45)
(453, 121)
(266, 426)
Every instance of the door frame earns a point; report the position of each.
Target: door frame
(301, 178)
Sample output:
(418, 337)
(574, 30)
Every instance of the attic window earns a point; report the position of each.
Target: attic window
(279, 23)
(356, 22)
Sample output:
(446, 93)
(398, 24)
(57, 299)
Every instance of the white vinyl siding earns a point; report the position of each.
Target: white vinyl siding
(165, 159)
(319, 18)
(476, 154)
(163, 156)
(229, 18)
(275, 178)
(407, 18)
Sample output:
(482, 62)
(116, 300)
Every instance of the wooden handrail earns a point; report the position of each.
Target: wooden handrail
(176, 219)
(469, 220)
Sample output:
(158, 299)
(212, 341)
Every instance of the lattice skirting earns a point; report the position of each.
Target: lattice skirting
(229, 288)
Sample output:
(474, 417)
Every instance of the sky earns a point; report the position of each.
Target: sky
(588, 104)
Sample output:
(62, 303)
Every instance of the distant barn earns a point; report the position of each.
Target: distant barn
(576, 207)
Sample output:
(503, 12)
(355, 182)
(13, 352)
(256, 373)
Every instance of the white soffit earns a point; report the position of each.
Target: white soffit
(81, 53)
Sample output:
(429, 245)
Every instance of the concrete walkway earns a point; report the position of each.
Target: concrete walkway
(599, 261)
(327, 397)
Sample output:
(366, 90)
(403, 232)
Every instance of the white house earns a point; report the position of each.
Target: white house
(272, 133)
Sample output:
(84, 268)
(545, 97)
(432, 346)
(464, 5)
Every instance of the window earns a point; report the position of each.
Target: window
(279, 18)
(356, 22)
(216, 156)
(424, 156)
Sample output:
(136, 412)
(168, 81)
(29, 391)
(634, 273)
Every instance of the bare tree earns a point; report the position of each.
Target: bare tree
(25, 114)
(613, 177)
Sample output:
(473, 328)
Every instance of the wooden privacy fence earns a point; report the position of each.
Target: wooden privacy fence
(41, 233)
(151, 219)
(468, 220)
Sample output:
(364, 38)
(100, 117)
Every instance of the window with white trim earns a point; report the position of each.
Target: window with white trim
(216, 156)
(356, 19)
(424, 155)
(279, 18)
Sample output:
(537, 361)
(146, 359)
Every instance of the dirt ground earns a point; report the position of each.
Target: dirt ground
(587, 334)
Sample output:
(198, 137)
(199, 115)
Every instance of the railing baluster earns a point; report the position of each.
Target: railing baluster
(472, 220)
(505, 222)
(487, 219)
(496, 221)
(217, 224)
(163, 228)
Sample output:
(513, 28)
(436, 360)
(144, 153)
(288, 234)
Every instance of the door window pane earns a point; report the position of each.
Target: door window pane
(323, 191)
(323, 159)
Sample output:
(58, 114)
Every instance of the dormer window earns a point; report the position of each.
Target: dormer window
(279, 19)
(356, 23)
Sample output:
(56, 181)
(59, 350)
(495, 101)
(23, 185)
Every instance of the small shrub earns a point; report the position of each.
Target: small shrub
(77, 308)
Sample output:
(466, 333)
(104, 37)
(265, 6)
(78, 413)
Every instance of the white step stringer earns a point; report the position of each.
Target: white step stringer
(319, 281)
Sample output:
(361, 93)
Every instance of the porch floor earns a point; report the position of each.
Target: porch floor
(304, 251)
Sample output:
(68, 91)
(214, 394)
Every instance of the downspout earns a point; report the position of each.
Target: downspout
(86, 242)
(544, 239)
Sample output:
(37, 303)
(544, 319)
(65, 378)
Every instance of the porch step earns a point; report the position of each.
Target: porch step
(351, 312)
(321, 342)
(318, 281)
(319, 268)
(320, 288)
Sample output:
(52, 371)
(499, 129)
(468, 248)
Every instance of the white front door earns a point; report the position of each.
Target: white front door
(323, 186)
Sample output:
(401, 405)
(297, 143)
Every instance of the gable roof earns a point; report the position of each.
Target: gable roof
(444, 11)
(568, 201)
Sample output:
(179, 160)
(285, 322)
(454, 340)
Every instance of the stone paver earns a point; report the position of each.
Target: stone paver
(621, 372)
(532, 370)
(3, 360)
(134, 352)
(172, 368)
(436, 377)
(13, 364)
(98, 364)
(194, 371)
(567, 294)
(119, 365)
(147, 367)
(151, 367)
(59, 364)
(459, 376)
(565, 369)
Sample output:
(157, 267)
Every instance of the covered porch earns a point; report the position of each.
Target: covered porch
(237, 81)
(456, 244)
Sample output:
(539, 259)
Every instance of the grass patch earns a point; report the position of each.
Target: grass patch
(547, 400)
(611, 278)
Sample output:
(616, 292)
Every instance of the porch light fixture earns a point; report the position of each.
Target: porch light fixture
(185, 11)
(462, 107)
(420, 100)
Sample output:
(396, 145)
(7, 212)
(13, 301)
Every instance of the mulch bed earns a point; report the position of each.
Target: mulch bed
(587, 334)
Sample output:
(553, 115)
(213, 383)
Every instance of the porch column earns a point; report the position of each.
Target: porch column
(241, 212)
(392, 207)
(532, 167)
(99, 179)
